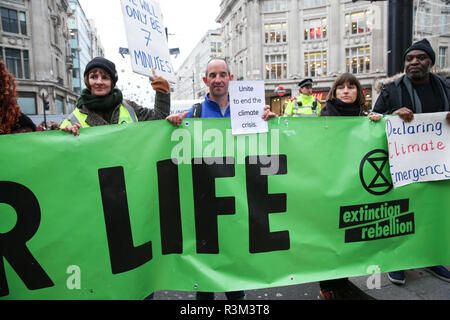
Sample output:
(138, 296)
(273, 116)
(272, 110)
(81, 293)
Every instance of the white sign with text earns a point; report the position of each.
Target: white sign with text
(247, 102)
(146, 35)
(419, 151)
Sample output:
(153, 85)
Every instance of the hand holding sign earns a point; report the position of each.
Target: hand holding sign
(418, 150)
(247, 103)
(159, 83)
(147, 40)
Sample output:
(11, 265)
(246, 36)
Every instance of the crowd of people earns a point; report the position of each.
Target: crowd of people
(101, 103)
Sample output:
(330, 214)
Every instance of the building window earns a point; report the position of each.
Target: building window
(358, 59)
(27, 102)
(357, 23)
(316, 64)
(216, 47)
(59, 105)
(444, 23)
(13, 21)
(315, 29)
(17, 62)
(275, 5)
(442, 57)
(276, 66)
(275, 33)
(314, 3)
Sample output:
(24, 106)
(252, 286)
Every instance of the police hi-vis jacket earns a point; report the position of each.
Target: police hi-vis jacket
(303, 106)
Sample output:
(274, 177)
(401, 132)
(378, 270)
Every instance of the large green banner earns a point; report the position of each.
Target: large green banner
(122, 211)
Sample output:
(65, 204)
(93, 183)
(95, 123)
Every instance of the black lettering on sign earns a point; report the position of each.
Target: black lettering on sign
(261, 204)
(169, 207)
(207, 205)
(123, 254)
(13, 244)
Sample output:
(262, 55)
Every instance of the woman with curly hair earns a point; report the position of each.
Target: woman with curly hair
(12, 120)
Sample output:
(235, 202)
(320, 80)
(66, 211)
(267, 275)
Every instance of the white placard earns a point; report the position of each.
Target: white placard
(419, 151)
(247, 101)
(146, 37)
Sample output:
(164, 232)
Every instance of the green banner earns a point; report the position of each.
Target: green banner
(122, 211)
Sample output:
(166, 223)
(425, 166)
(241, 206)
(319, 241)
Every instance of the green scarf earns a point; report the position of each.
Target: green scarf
(101, 104)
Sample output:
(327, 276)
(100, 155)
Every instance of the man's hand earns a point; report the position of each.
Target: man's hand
(75, 129)
(268, 114)
(448, 118)
(159, 83)
(405, 114)
(177, 118)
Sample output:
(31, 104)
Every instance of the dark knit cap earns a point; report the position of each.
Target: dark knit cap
(423, 45)
(105, 64)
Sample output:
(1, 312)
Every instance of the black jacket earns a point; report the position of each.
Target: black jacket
(331, 110)
(396, 95)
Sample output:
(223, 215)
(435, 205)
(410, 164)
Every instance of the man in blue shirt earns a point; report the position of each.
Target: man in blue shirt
(215, 105)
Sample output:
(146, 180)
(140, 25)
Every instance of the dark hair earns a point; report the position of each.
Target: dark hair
(9, 108)
(351, 79)
(217, 58)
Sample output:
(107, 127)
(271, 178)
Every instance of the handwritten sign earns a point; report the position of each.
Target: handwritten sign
(419, 151)
(247, 101)
(146, 37)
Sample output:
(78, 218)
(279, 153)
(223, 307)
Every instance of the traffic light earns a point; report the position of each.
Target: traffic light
(46, 105)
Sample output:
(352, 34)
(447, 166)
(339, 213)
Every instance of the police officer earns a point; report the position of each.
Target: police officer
(305, 104)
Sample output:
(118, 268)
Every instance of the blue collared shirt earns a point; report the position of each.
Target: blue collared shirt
(211, 109)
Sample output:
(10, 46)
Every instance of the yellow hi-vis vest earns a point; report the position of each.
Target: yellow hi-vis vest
(303, 106)
(126, 115)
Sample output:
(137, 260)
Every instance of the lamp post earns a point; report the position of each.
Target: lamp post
(46, 106)
(193, 85)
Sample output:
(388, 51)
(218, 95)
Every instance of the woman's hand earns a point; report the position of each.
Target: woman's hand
(159, 84)
(75, 129)
(405, 114)
(374, 116)
(177, 118)
(268, 114)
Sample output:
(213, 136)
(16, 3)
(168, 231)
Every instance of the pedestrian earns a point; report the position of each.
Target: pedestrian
(215, 105)
(101, 103)
(305, 105)
(417, 91)
(12, 120)
(346, 98)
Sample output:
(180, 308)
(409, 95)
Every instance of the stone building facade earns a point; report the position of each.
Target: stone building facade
(284, 41)
(34, 43)
(190, 74)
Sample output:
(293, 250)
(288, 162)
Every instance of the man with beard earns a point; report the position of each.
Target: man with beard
(418, 91)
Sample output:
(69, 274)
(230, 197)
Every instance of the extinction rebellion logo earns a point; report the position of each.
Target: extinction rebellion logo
(379, 220)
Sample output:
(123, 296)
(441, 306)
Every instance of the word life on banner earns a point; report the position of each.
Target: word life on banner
(419, 150)
(247, 101)
(146, 37)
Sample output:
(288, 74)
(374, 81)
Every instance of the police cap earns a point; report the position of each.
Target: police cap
(305, 82)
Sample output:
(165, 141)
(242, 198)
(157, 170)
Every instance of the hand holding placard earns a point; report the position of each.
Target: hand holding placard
(247, 101)
(147, 40)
